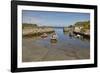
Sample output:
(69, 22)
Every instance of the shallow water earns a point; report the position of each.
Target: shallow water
(65, 48)
(63, 39)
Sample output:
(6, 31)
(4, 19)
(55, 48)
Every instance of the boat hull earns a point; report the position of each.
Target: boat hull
(53, 40)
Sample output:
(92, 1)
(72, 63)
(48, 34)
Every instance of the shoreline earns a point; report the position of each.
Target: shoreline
(36, 31)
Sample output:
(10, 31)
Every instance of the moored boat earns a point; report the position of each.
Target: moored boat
(54, 38)
(44, 35)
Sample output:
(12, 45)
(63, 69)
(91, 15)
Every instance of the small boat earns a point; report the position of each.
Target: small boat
(78, 36)
(54, 38)
(44, 35)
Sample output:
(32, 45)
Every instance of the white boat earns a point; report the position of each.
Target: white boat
(44, 35)
(54, 38)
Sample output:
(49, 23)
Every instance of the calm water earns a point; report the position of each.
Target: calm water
(66, 48)
(63, 40)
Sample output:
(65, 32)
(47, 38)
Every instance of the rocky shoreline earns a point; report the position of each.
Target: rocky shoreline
(79, 27)
(36, 31)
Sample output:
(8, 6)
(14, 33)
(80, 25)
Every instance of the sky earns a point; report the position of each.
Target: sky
(56, 19)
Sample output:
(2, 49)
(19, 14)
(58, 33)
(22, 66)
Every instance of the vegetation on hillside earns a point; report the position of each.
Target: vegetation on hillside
(28, 25)
(85, 25)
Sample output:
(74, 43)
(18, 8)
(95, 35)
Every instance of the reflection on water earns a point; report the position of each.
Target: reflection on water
(63, 39)
(64, 42)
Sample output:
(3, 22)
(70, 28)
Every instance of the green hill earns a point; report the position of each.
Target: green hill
(28, 25)
(85, 24)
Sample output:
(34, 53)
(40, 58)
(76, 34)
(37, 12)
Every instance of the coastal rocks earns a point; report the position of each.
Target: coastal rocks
(36, 31)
